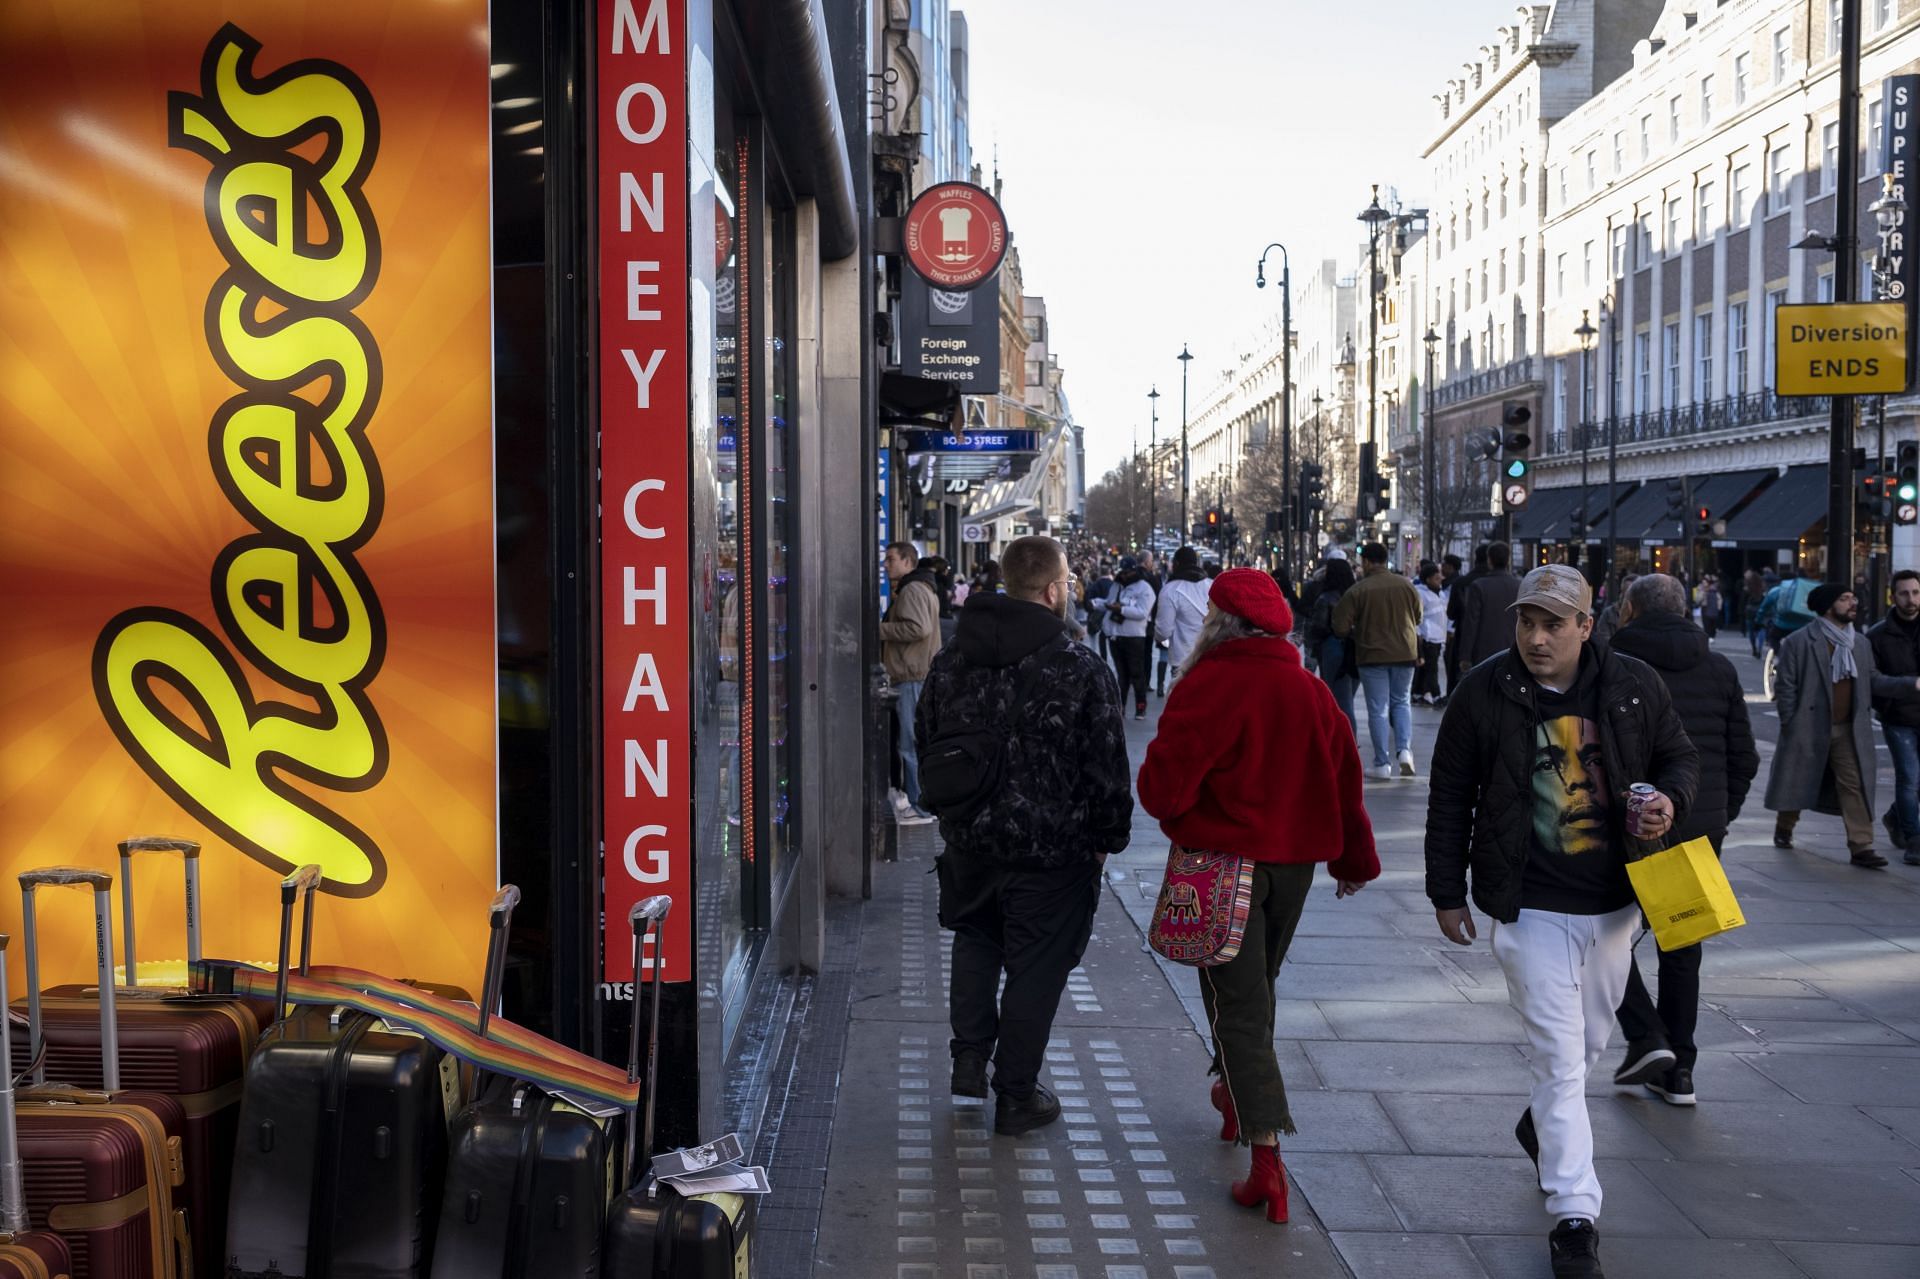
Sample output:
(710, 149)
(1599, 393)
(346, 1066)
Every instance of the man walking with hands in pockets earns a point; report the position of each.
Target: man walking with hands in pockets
(1530, 779)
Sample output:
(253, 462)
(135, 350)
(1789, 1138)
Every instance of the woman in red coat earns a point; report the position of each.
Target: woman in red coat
(1254, 758)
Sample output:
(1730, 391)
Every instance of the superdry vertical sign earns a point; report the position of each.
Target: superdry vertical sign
(1901, 117)
(644, 638)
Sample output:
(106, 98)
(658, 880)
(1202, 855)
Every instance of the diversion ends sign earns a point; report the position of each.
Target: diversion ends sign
(1841, 348)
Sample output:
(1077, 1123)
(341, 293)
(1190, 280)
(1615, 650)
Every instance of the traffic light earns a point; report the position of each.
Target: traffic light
(1879, 486)
(1516, 472)
(1577, 522)
(1313, 487)
(1702, 522)
(1366, 501)
(1906, 490)
(1213, 519)
(1273, 523)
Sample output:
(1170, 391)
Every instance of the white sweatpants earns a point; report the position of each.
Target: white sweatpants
(1565, 976)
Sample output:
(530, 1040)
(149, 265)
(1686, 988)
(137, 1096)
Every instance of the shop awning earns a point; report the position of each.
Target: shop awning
(1639, 506)
(1555, 523)
(1781, 513)
(1721, 494)
(1543, 509)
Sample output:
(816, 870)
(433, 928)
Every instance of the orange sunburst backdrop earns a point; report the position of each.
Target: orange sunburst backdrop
(111, 501)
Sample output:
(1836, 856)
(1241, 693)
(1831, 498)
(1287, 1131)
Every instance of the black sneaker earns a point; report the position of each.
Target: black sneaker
(1782, 838)
(1675, 1087)
(1646, 1060)
(1530, 1142)
(969, 1075)
(1867, 859)
(1574, 1247)
(1891, 820)
(1015, 1115)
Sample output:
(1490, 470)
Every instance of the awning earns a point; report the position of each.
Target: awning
(1640, 505)
(1555, 524)
(1544, 508)
(1781, 513)
(1721, 494)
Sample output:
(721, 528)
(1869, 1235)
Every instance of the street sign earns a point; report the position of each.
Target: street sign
(973, 532)
(925, 441)
(1516, 496)
(1841, 348)
(956, 235)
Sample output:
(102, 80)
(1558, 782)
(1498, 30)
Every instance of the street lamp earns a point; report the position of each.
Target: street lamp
(1375, 217)
(1286, 382)
(1153, 464)
(1586, 333)
(1432, 533)
(1184, 357)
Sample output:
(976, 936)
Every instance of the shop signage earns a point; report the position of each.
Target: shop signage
(248, 536)
(1841, 348)
(950, 336)
(1901, 115)
(922, 441)
(956, 235)
(974, 533)
(645, 586)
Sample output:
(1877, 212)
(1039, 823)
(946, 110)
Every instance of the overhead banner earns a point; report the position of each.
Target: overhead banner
(247, 532)
(645, 587)
(950, 336)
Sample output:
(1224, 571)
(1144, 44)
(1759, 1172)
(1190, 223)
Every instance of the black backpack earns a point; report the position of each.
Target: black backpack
(963, 764)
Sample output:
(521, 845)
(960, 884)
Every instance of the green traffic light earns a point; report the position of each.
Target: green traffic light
(1908, 491)
(1517, 469)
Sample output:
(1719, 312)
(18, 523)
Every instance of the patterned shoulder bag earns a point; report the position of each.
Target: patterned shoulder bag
(1201, 916)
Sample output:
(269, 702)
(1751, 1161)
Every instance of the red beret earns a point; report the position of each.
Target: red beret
(1253, 595)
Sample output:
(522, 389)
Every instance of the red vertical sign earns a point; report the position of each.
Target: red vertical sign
(644, 580)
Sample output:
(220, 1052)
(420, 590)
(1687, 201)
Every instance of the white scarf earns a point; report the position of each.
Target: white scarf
(1841, 637)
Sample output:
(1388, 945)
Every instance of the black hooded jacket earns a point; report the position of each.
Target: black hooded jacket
(1896, 651)
(1067, 793)
(1711, 704)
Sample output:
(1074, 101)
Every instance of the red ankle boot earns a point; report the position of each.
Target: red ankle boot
(1266, 1182)
(1223, 1102)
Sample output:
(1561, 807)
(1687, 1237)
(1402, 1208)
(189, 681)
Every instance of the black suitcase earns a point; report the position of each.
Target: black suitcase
(527, 1174)
(343, 1142)
(653, 1231)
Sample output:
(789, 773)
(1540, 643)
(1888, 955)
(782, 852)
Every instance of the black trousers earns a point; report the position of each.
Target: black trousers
(1031, 925)
(1131, 658)
(1673, 1019)
(1426, 679)
(1238, 997)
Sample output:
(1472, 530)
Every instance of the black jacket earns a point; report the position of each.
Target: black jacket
(1068, 789)
(1710, 702)
(1480, 797)
(1485, 628)
(1896, 651)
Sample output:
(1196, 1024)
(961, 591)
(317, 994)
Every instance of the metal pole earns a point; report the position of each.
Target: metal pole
(1431, 537)
(1286, 407)
(1846, 276)
(1186, 526)
(1587, 402)
(1613, 443)
(1133, 485)
(1373, 350)
(1153, 465)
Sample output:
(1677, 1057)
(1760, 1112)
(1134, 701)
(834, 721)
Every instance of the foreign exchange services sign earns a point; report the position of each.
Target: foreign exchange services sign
(1841, 348)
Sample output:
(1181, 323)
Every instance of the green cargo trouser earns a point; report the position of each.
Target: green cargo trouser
(1239, 1000)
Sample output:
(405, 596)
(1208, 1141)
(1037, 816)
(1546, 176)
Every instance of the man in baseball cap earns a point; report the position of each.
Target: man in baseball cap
(1525, 803)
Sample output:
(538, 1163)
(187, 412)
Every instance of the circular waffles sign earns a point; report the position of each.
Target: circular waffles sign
(956, 235)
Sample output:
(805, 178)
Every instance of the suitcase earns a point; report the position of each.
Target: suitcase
(24, 1253)
(193, 1048)
(526, 1173)
(343, 1140)
(99, 1168)
(653, 1231)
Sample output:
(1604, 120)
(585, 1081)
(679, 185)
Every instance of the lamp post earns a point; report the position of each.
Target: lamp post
(1586, 333)
(1184, 357)
(1375, 217)
(1608, 322)
(1286, 385)
(1431, 533)
(1133, 483)
(1153, 463)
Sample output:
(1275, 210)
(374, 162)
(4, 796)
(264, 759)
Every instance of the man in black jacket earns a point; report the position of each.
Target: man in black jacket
(1529, 794)
(1711, 704)
(1896, 651)
(1486, 627)
(1021, 875)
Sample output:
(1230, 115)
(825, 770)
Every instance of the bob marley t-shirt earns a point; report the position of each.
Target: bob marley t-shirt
(1575, 866)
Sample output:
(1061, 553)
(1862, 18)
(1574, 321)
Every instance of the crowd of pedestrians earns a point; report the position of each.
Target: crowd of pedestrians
(1014, 735)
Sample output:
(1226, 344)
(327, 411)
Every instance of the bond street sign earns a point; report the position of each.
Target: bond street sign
(920, 441)
(1841, 348)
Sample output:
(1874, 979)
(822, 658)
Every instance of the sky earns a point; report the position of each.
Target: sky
(1150, 150)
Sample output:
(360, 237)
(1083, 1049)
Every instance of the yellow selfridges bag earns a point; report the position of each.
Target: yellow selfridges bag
(1684, 894)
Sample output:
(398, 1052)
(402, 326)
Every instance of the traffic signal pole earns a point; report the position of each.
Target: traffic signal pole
(1846, 281)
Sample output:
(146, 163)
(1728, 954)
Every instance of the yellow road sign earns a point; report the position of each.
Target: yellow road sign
(1841, 348)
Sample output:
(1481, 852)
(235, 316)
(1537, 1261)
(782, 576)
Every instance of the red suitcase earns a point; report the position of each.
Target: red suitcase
(24, 1253)
(99, 1168)
(193, 1048)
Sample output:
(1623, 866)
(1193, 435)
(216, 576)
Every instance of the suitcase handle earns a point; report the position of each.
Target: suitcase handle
(190, 853)
(649, 915)
(304, 880)
(101, 885)
(13, 1196)
(499, 920)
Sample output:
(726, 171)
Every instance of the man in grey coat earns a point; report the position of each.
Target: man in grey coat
(1824, 685)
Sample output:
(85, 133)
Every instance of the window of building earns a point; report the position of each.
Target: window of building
(1782, 54)
(1520, 187)
(1703, 358)
(1503, 270)
(1776, 299)
(1736, 348)
(1670, 386)
(1646, 138)
(1592, 171)
(1829, 156)
(1563, 186)
(1779, 181)
(1739, 192)
(1876, 138)
(1642, 371)
(1560, 275)
(1706, 101)
(1882, 14)
(1823, 287)
(1486, 207)
(1676, 211)
(1466, 223)
(1617, 251)
(1619, 152)
(1560, 400)
(1614, 345)
(1486, 294)
(1673, 120)
(1742, 71)
(1706, 220)
(1643, 239)
(1520, 263)
(1834, 10)
(1503, 197)
(1586, 265)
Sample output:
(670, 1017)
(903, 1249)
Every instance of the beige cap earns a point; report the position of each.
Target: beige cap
(1558, 589)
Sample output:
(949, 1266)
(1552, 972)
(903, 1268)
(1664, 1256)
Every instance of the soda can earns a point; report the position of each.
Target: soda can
(1639, 795)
